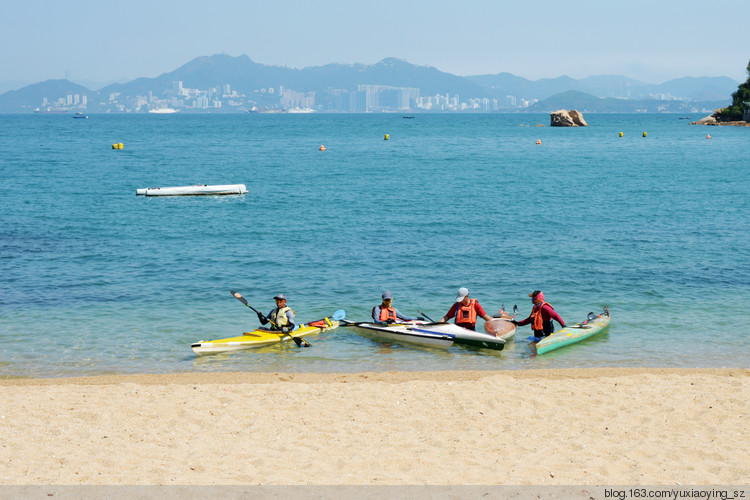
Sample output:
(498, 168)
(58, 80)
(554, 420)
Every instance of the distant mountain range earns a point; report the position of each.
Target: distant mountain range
(250, 81)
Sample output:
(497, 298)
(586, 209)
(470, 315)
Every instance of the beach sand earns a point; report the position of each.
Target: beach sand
(535, 427)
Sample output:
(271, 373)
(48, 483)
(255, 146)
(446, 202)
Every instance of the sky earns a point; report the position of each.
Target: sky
(649, 40)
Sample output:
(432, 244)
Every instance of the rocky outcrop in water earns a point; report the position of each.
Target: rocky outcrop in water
(714, 119)
(565, 118)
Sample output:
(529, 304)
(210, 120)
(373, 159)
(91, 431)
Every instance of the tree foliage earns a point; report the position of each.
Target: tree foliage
(740, 101)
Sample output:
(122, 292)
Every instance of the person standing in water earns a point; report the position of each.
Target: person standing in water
(542, 314)
(466, 311)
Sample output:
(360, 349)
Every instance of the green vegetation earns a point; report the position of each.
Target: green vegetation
(740, 102)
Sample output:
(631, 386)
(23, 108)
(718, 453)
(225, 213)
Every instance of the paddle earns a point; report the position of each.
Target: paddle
(591, 317)
(337, 316)
(423, 314)
(346, 322)
(502, 311)
(297, 340)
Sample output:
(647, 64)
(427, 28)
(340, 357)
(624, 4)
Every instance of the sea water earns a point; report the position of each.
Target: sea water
(95, 280)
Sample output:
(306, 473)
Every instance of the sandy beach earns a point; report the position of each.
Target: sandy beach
(591, 427)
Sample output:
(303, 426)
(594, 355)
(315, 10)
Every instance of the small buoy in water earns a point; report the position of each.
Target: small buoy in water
(322, 148)
(120, 145)
(708, 136)
(620, 134)
(538, 141)
(644, 134)
(386, 137)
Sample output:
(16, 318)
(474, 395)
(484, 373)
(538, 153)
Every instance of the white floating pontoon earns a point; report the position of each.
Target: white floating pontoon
(195, 189)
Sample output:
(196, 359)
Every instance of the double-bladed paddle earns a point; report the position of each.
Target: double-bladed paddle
(297, 340)
(423, 314)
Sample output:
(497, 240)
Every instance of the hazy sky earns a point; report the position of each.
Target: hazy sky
(649, 40)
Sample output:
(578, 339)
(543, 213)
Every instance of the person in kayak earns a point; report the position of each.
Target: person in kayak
(542, 314)
(465, 311)
(282, 317)
(385, 313)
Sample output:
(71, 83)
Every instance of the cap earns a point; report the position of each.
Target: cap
(387, 295)
(534, 293)
(462, 293)
(280, 296)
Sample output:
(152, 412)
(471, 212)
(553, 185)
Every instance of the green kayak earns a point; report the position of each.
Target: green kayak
(576, 333)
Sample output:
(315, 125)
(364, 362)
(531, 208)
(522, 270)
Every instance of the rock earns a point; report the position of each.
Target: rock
(563, 118)
(578, 118)
(713, 119)
(709, 120)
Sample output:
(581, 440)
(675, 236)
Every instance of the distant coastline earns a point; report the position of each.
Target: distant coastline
(224, 84)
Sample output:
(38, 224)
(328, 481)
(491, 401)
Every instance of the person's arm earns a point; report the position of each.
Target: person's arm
(481, 312)
(376, 314)
(291, 319)
(553, 315)
(451, 314)
(523, 321)
(405, 318)
(264, 319)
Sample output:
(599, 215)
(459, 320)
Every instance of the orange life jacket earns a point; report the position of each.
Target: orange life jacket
(386, 313)
(536, 314)
(466, 314)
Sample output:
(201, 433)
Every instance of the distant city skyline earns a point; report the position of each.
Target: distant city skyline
(94, 43)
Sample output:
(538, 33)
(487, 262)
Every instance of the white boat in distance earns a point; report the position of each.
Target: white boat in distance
(195, 189)
(162, 111)
(300, 110)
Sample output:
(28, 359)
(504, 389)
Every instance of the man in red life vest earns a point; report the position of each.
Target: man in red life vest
(385, 313)
(541, 317)
(465, 311)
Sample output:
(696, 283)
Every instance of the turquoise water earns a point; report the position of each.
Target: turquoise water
(96, 280)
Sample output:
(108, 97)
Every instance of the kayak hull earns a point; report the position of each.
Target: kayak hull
(194, 190)
(466, 337)
(501, 328)
(405, 333)
(573, 334)
(259, 338)
(442, 335)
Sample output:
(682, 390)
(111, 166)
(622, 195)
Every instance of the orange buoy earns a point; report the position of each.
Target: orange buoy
(538, 141)
(322, 148)
(708, 136)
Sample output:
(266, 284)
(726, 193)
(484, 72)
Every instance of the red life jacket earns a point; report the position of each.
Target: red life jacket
(466, 314)
(536, 314)
(386, 313)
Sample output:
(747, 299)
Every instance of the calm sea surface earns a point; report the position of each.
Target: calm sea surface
(94, 280)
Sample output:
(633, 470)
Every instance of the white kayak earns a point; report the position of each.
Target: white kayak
(430, 334)
(195, 189)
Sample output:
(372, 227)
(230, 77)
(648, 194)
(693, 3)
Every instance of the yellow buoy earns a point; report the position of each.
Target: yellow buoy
(322, 148)
(644, 134)
(386, 137)
(120, 145)
(620, 134)
(114, 146)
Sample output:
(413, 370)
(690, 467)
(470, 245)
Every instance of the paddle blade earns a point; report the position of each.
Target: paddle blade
(299, 341)
(238, 297)
(339, 315)
(423, 314)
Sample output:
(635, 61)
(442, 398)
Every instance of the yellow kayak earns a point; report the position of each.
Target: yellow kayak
(261, 337)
